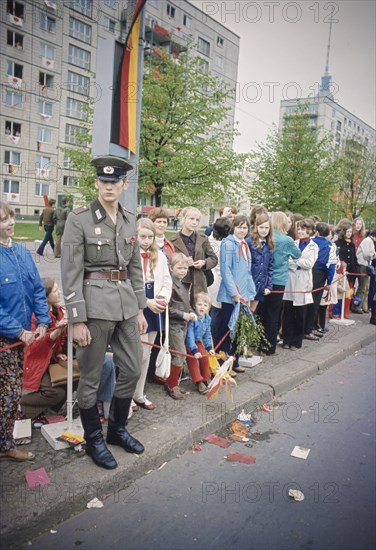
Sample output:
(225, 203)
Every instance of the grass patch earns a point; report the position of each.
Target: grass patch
(27, 232)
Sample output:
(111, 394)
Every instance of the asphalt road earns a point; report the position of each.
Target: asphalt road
(202, 501)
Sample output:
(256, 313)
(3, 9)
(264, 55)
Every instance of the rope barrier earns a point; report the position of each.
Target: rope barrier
(16, 344)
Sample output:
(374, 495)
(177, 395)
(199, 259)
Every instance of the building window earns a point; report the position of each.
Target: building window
(220, 41)
(11, 186)
(338, 138)
(203, 46)
(15, 8)
(15, 39)
(78, 56)
(44, 107)
(12, 157)
(13, 99)
(46, 79)
(170, 11)
(339, 126)
(83, 6)
(76, 109)
(349, 123)
(14, 69)
(12, 128)
(66, 162)
(47, 23)
(358, 129)
(110, 3)
(78, 83)
(70, 181)
(47, 51)
(187, 21)
(72, 134)
(218, 60)
(42, 189)
(366, 141)
(79, 30)
(44, 135)
(345, 121)
(109, 25)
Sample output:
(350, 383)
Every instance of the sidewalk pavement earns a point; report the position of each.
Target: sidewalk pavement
(169, 430)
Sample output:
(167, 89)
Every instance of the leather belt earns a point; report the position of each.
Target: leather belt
(113, 275)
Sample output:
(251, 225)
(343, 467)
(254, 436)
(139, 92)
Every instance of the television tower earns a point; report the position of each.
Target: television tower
(326, 79)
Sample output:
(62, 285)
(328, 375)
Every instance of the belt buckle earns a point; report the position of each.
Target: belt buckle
(115, 273)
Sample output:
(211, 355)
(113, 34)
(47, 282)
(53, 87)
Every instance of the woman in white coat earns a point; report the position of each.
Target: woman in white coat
(298, 289)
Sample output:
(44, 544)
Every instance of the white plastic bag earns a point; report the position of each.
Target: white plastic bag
(163, 362)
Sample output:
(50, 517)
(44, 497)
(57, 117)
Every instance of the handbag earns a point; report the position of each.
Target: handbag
(59, 372)
(163, 361)
(209, 277)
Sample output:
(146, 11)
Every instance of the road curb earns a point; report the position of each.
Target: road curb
(26, 514)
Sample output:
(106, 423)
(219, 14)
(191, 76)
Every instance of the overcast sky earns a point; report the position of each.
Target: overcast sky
(287, 45)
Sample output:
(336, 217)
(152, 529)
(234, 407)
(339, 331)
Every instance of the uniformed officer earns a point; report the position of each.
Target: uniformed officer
(104, 295)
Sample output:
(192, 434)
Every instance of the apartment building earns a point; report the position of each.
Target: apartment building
(48, 71)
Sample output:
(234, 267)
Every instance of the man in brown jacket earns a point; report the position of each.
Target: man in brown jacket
(47, 221)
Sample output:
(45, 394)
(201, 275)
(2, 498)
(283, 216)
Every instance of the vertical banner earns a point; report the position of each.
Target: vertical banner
(128, 92)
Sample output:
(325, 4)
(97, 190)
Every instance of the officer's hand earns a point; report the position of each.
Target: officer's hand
(81, 335)
(142, 323)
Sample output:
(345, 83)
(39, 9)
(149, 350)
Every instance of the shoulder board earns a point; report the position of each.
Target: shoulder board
(80, 209)
(126, 211)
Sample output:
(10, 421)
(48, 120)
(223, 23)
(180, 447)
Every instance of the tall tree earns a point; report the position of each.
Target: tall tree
(357, 184)
(295, 169)
(186, 144)
(80, 157)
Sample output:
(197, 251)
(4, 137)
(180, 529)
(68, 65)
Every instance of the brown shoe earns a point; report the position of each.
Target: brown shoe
(175, 392)
(17, 455)
(238, 369)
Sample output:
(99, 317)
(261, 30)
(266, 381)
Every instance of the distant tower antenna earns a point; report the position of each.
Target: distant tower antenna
(325, 80)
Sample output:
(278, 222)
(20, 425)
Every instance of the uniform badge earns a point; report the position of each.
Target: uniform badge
(98, 231)
(108, 170)
(98, 214)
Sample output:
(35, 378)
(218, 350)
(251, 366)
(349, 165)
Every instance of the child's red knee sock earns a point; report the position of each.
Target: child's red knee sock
(173, 380)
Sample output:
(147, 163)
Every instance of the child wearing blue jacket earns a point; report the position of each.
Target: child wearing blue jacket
(199, 343)
(261, 244)
(237, 281)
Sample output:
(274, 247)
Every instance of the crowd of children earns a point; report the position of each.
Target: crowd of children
(292, 271)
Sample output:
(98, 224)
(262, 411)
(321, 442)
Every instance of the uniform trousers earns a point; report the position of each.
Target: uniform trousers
(124, 339)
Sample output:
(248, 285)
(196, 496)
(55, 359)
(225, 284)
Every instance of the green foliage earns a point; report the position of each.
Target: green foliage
(295, 169)
(249, 334)
(186, 145)
(356, 187)
(80, 157)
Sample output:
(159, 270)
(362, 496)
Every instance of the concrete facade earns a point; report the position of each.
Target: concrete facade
(48, 71)
(328, 116)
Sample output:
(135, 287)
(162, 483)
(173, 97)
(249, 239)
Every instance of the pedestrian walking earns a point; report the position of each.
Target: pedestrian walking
(59, 218)
(105, 297)
(46, 221)
(22, 294)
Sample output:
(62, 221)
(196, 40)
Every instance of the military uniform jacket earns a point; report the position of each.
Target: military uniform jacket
(93, 243)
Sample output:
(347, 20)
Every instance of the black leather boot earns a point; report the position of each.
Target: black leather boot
(95, 445)
(116, 432)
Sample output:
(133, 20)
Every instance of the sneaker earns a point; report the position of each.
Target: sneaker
(202, 388)
(285, 346)
(293, 348)
(175, 392)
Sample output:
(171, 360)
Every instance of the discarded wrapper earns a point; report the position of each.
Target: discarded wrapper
(240, 457)
(95, 503)
(296, 494)
(300, 452)
(37, 477)
(216, 440)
